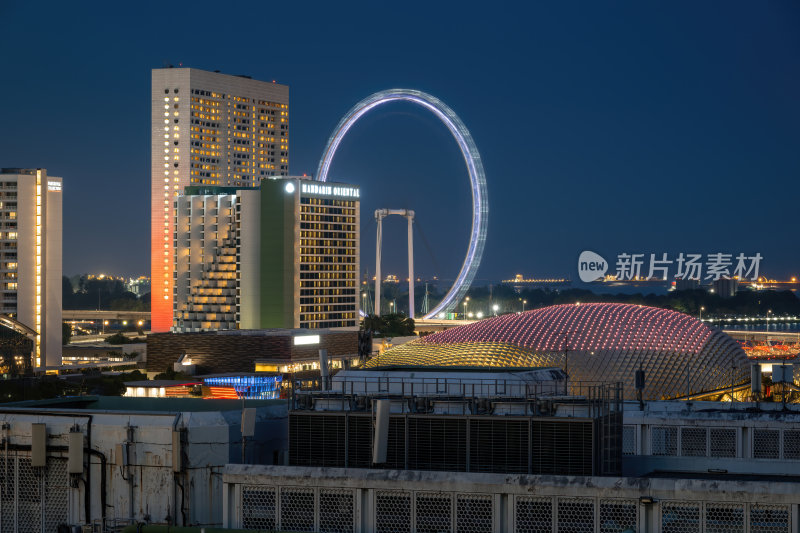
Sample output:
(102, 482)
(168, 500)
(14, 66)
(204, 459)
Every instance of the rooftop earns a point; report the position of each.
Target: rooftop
(139, 405)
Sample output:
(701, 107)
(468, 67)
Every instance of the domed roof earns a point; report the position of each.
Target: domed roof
(595, 341)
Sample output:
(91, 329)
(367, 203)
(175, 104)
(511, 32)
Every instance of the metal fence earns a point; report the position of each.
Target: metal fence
(32, 499)
(721, 442)
(333, 510)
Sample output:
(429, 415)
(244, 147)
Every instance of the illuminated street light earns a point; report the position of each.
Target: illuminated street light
(701, 312)
(495, 307)
(480, 314)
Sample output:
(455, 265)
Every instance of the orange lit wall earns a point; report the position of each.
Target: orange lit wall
(161, 259)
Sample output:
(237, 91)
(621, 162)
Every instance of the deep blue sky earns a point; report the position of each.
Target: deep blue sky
(611, 126)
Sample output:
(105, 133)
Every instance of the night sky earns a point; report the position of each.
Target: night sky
(609, 126)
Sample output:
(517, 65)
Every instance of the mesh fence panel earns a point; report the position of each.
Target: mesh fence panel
(474, 513)
(628, 440)
(722, 442)
(769, 519)
(56, 493)
(258, 507)
(7, 489)
(617, 516)
(693, 441)
(664, 440)
(336, 511)
(29, 499)
(724, 518)
(297, 509)
(575, 515)
(392, 511)
(791, 444)
(533, 515)
(680, 517)
(766, 444)
(433, 512)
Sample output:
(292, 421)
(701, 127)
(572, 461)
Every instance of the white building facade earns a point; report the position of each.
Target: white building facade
(30, 257)
(207, 129)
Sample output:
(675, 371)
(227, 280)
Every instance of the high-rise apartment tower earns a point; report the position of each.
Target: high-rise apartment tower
(30, 257)
(207, 129)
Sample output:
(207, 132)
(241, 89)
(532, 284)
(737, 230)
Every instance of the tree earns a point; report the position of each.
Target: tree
(372, 323)
(66, 333)
(391, 325)
(118, 338)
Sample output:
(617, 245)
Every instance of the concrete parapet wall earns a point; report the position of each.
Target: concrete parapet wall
(369, 500)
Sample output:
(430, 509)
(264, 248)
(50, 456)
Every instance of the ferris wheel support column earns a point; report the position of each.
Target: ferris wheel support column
(410, 217)
(378, 243)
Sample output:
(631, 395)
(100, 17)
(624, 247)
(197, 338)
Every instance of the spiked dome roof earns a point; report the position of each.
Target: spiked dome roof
(600, 342)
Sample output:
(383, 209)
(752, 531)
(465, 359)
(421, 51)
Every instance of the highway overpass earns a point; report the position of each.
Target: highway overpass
(111, 316)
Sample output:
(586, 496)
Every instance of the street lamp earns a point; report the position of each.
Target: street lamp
(701, 312)
(469, 315)
(566, 363)
(105, 323)
(480, 314)
(495, 307)
(523, 305)
(466, 303)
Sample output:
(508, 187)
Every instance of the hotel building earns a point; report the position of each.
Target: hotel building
(285, 255)
(30, 257)
(208, 129)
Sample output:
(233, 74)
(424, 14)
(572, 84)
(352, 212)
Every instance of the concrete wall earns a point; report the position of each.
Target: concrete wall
(741, 438)
(249, 259)
(138, 452)
(51, 296)
(374, 500)
(238, 353)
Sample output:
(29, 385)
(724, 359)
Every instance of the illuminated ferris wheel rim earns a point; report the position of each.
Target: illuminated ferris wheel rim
(480, 205)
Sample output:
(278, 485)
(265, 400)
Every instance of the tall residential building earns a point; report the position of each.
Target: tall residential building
(207, 129)
(285, 255)
(30, 257)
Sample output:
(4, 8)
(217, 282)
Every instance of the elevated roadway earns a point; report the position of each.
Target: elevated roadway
(115, 316)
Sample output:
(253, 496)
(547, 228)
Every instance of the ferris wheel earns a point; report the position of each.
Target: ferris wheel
(480, 203)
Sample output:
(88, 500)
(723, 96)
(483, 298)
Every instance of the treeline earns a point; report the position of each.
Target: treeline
(751, 303)
(483, 299)
(107, 294)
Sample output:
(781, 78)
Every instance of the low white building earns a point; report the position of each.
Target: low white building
(142, 459)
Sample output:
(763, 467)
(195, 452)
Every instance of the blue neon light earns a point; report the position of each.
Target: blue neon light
(249, 387)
